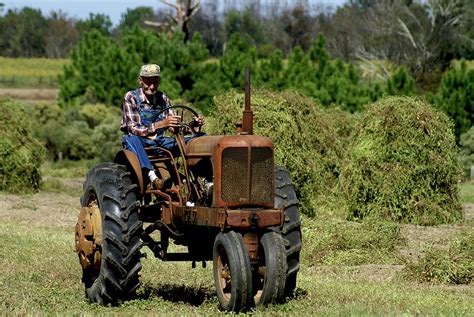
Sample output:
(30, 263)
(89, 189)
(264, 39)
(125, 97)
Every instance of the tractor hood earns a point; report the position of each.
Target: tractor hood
(208, 145)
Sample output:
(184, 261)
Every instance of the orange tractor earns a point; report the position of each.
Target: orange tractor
(222, 197)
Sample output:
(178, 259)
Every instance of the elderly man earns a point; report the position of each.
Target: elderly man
(144, 122)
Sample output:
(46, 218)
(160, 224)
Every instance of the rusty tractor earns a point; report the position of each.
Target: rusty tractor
(222, 197)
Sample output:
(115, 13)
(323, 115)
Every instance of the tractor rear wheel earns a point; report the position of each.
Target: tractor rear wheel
(270, 275)
(285, 197)
(232, 272)
(108, 235)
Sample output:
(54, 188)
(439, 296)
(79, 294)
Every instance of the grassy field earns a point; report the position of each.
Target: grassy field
(347, 268)
(30, 72)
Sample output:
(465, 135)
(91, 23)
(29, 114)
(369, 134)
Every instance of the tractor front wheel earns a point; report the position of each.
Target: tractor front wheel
(270, 275)
(232, 272)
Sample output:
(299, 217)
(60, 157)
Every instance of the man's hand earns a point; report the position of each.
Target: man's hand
(169, 122)
(198, 121)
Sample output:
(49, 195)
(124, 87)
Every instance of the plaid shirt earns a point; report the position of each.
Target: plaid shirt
(131, 121)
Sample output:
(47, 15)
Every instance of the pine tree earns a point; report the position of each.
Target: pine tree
(456, 97)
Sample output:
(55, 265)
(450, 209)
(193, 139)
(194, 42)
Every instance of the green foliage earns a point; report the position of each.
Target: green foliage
(133, 17)
(401, 83)
(316, 75)
(103, 70)
(270, 72)
(86, 132)
(454, 265)
(466, 154)
(107, 138)
(305, 140)
(239, 54)
(20, 153)
(96, 22)
(402, 165)
(246, 24)
(100, 71)
(22, 33)
(456, 97)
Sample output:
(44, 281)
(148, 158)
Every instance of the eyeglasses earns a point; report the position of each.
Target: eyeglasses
(151, 80)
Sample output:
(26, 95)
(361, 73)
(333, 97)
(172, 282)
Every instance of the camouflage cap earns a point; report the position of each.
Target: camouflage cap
(150, 70)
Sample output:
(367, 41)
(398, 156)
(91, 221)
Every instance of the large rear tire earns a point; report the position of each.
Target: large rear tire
(232, 272)
(285, 197)
(113, 277)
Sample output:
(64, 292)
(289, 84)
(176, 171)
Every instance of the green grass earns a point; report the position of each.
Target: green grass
(40, 274)
(347, 268)
(32, 72)
(467, 192)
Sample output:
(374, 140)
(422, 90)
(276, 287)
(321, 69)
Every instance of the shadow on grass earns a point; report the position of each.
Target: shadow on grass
(193, 295)
(177, 293)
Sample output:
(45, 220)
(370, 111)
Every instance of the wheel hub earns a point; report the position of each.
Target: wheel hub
(89, 238)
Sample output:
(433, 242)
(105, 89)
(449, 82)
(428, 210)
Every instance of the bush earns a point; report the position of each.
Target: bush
(305, 140)
(20, 153)
(108, 137)
(454, 265)
(402, 165)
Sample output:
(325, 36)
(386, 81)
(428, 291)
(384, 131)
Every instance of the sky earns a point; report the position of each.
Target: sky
(113, 8)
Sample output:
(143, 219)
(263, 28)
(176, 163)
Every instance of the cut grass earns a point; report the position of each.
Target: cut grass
(340, 242)
(453, 265)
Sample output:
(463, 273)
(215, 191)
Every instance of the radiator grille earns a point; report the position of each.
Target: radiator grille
(247, 178)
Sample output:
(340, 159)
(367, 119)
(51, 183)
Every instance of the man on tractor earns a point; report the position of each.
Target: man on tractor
(145, 118)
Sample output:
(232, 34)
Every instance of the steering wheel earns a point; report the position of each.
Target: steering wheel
(188, 124)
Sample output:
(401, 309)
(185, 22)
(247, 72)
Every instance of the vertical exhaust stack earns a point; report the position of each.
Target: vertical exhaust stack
(247, 127)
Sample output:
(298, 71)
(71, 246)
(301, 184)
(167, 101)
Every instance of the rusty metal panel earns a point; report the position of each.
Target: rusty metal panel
(245, 219)
(198, 216)
(251, 243)
(222, 217)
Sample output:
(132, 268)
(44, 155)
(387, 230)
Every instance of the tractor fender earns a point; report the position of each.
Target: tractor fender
(130, 160)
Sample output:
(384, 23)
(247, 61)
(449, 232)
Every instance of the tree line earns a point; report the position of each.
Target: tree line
(376, 54)
(423, 35)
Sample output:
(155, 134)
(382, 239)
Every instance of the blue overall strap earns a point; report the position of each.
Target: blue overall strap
(136, 93)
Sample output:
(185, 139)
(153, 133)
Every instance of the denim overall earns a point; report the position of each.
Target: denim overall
(136, 143)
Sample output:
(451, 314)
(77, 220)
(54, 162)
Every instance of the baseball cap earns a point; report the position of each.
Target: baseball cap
(150, 70)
